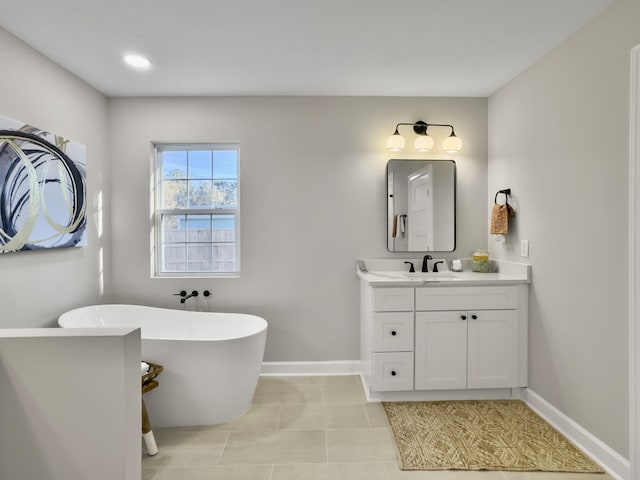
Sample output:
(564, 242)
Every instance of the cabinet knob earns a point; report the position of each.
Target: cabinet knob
(393, 373)
(474, 317)
(463, 317)
(394, 333)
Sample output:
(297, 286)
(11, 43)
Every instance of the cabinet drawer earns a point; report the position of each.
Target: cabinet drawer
(392, 299)
(392, 371)
(466, 298)
(393, 332)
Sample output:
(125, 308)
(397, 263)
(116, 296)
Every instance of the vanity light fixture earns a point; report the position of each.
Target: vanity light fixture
(424, 142)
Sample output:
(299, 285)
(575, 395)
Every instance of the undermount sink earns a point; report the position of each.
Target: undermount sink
(433, 276)
(414, 277)
(389, 275)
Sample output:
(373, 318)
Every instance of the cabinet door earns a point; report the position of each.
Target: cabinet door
(493, 349)
(441, 350)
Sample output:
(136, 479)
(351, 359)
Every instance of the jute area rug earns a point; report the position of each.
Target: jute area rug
(480, 435)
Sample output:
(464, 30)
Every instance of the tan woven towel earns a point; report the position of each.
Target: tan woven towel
(500, 216)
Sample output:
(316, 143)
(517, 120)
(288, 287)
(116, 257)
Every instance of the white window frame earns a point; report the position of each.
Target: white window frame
(158, 211)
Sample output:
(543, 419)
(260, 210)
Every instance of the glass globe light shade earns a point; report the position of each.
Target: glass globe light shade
(452, 144)
(396, 142)
(424, 143)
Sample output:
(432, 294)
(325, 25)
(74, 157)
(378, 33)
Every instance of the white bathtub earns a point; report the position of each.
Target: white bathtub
(211, 360)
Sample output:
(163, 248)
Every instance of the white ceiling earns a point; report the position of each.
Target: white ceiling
(297, 47)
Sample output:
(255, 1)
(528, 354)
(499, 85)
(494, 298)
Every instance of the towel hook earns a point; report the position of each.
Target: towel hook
(506, 191)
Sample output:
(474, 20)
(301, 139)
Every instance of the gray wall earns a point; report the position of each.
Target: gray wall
(312, 198)
(35, 287)
(558, 136)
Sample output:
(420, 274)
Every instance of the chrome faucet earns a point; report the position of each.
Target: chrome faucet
(425, 265)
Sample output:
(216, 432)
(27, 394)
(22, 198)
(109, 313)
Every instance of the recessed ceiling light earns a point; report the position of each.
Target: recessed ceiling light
(137, 61)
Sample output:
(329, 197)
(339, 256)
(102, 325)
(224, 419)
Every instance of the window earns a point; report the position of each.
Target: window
(197, 211)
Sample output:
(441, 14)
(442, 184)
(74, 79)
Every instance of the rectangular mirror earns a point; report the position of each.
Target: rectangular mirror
(421, 205)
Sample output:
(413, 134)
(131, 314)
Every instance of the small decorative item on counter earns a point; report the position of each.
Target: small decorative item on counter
(480, 261)
(456, 265)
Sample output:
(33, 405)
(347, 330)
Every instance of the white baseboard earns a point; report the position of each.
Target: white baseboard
(611, 461)
(343, 367)
(436, 395)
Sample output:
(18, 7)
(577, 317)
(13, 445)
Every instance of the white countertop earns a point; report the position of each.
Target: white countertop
(391, 273)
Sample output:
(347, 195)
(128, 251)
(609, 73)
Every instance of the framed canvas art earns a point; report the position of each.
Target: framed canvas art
(43, 194)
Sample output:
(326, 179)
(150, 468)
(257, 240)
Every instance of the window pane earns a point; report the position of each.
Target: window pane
(224, 252)
(224, 258)
(200, 164)
(199, 257)
(225, 193)
(174, 194)
(225, 164)
(173, 228)
(174, 164)
(174, 258)
(200, 193)
(198, 228)
(224, 267)
(224, 228)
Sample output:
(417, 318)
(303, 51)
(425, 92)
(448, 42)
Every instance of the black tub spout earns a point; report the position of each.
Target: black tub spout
(192, 294)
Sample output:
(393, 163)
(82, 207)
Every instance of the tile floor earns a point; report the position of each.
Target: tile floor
(300, 428)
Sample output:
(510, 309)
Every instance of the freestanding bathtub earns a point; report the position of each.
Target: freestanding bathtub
(211, 360)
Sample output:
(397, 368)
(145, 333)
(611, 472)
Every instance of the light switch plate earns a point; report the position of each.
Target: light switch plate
(524, 248)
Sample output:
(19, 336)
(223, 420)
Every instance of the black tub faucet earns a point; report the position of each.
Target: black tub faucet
(183, 294)
(192, 294)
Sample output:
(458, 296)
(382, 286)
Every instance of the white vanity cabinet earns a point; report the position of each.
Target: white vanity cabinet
(432, 342)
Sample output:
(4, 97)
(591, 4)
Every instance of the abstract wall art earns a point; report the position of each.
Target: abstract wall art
(43, 193)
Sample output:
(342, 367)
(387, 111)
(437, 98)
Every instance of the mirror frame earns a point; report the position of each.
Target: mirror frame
(390, 207)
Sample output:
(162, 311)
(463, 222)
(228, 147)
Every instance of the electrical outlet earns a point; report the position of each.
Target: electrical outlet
(524, 248)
